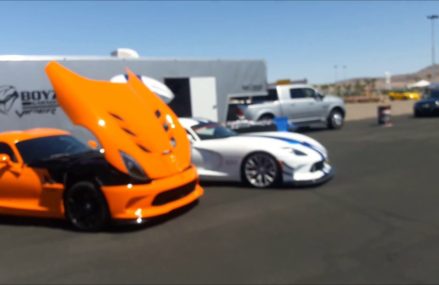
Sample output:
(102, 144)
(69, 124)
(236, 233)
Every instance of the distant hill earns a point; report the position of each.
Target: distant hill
(429, 73)
(371, 86)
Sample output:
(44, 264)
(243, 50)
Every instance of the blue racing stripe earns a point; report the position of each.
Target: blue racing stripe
(291, 141)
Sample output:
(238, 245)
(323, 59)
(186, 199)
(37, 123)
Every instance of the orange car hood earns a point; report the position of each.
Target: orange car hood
(124, 117)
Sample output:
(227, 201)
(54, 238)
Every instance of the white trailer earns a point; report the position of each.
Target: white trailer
(201, 88)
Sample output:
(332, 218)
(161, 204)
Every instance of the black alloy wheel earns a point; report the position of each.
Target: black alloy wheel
(85, 207)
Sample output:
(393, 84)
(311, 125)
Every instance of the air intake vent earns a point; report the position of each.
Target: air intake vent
(143, 148)
(174, 194)
(157, 113)
(116, 116)
(129, 132)
(173, 142)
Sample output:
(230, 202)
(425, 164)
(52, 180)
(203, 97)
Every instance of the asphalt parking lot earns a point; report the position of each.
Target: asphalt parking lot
(377, 221)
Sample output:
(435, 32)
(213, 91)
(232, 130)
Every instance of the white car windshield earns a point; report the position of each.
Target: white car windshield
(209, 131)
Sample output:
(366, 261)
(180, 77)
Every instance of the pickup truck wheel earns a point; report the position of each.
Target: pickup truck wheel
(260, 170)
(85, 207)
(335, 119)
(266, 118)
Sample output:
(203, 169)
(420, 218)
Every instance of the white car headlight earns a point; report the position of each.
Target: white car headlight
(134, 169)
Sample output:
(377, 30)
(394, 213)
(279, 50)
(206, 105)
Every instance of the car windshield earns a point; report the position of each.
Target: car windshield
(34, 150)
(209, 131)
(432, 93)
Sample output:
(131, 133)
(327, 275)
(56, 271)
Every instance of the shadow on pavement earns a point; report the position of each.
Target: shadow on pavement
(152, 222)
(34, 222)
(242, 186)
(305, 130)
(115, 227)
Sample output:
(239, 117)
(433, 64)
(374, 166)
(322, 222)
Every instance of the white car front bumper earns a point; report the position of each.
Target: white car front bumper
(313, 174)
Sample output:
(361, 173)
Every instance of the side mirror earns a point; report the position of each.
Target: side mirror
(93, 144)
(318, 96)
(5, 159)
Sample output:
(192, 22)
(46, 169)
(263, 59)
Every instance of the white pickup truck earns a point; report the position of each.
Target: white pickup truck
(301, 104)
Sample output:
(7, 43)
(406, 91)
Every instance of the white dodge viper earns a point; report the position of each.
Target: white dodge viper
(262, 159)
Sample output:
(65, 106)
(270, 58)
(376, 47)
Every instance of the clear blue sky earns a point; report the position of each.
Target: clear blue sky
(297, 39)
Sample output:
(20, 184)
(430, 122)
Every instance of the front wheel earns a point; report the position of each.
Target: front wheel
(335, 119)
(85, 207)
(261, 170)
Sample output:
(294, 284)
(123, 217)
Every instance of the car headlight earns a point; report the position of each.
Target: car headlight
(437, 103)
(295, 151)
(134, 169)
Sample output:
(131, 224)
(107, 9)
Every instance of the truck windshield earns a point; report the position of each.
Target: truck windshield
(38, 149)
(209, 131)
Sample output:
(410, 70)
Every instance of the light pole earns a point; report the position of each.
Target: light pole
(433, 62)
(335, 74)
(344, 72)
(343, 79)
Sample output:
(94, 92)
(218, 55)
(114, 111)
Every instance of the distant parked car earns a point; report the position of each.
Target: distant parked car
(429, 105)
(404, 95)
(301, 104)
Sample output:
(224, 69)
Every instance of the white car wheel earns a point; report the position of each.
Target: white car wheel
(260, 170)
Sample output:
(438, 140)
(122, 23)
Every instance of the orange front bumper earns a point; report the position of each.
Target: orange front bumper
(161, 196)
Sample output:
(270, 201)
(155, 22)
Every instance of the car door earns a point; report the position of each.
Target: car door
(303, 105)
(196, 157)
(315, 107)
(20, 185)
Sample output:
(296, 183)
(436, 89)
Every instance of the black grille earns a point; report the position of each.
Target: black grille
(174, 194)
(317, 166)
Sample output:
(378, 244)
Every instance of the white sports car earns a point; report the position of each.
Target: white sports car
(262, 159)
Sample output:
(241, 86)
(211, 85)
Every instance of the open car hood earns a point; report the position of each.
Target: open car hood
(124, 117)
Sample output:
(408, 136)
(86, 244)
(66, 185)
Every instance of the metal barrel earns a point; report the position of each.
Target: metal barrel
(384, 115)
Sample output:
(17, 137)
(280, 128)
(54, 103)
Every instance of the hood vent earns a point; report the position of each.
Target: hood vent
(143, 148)
(129, 132)
(158, 114)
(116, 116)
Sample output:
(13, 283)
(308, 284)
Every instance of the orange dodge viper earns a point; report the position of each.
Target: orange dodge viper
(142, 170)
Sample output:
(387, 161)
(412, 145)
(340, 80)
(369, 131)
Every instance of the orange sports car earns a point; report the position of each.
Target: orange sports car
(142, 168)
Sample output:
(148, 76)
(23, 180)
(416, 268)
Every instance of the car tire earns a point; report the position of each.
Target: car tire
(266, 118)
(335, 119)
(261, 170)
(85, 207)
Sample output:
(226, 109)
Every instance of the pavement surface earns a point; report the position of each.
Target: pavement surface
(361, 111)
(377, 221)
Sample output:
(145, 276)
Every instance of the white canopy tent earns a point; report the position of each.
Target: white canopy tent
(156, 86)
(419, 84)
